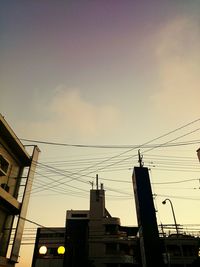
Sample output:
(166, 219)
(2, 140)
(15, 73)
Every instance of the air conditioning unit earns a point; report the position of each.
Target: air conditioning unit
(4, 166)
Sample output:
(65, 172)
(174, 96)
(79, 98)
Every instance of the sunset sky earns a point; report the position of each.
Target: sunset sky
(108, 75)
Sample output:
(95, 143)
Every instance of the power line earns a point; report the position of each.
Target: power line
(109, 146)
(103, 146)
(178, 182)
(157, 138)
(177, 197)
(76, 175)
(30, 221)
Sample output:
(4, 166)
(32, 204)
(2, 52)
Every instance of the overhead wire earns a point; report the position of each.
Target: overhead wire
(146, 143)
(123, 195)
(59, 181)
(77, 174)
(30, 236)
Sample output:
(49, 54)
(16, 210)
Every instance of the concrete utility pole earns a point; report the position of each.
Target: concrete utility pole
(150, 244)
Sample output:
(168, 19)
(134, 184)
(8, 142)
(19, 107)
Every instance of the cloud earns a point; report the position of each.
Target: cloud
(178, 62)
(82, 116)
(69, 115)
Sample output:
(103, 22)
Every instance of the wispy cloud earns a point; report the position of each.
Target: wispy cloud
(178, 61)
(81, 115)
(70, 115)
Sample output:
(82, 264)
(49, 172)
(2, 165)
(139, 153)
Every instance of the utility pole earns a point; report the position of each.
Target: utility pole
(150, 244)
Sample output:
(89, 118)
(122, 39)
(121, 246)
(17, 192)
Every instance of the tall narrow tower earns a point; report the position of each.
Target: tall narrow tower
(150, 246)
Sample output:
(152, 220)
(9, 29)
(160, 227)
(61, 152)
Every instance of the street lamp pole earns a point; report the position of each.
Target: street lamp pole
(181, 248)
(164, 202)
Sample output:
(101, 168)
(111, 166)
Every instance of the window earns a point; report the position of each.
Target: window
(174, 250)
(79, 215)
(4, 165)
(5, 187)
(111, 229)
(190, 250)
(112, 264)
(124, 249)
(51, 235)
(111, 248)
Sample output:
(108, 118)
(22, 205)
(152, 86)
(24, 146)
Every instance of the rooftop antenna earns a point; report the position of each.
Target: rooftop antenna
(101, 186)
(97, 181)
(141, 163)
(92, 184)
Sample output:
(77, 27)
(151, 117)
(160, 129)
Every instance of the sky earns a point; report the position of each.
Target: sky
(113, 76)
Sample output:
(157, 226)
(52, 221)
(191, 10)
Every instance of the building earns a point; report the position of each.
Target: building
(181, 250)
(49, 247)
(77, 238)
(110, 244)
(16, 165)
(93, 238)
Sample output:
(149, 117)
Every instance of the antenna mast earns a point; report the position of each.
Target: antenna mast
(141, 163)
(97, 181)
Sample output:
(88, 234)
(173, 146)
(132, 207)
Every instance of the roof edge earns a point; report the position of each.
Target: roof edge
(13, 142)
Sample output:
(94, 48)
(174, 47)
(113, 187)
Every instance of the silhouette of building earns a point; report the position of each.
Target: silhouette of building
(93, 238)
(15, 162)
(49, 247)
(97, 238)
(181, 250)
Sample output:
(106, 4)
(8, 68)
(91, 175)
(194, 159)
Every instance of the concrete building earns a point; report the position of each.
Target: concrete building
(181, 250)
(15, 162)
(110, 244)
(95, 238)
(49, 247)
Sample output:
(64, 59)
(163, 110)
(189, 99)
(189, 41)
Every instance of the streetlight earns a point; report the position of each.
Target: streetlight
(164, 202)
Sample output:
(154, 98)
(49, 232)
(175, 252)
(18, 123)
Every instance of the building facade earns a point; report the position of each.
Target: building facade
(14, 161)
(49, 247)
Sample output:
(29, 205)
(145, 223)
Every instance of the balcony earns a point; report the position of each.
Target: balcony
(9, 202)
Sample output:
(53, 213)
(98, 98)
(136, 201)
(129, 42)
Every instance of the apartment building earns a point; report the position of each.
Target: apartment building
(15, 161)
(49, 247)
